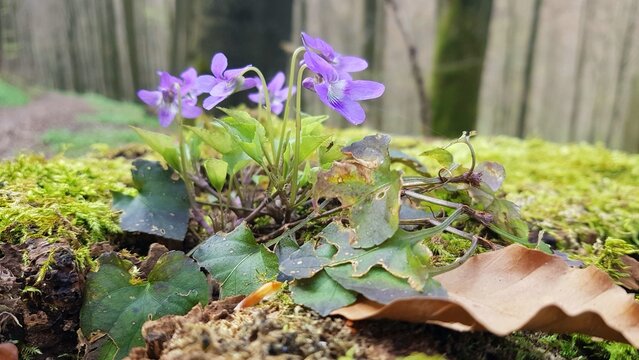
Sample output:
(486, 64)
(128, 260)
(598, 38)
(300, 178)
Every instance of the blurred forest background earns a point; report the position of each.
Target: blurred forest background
(562, 70)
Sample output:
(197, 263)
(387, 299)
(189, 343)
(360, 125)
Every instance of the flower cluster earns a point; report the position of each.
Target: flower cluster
(171, 93)
(331, 82)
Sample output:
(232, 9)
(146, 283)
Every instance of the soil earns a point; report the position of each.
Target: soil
(23, 126)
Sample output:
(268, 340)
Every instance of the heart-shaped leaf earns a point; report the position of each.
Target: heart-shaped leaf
(321, 293)
(365, 182)
(161, 207)
(118, 305)
(442, 156)
(237, 261)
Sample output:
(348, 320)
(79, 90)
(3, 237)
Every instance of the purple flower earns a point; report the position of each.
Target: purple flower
(277, 93)
(343, 64)
(167, 97)
(223, 82)
(339, 91)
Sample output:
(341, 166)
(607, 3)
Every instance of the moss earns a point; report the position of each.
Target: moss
(583, 347)
(607, 256)
(447, 247)
(59, 199)
(11, 95)
(576, 192)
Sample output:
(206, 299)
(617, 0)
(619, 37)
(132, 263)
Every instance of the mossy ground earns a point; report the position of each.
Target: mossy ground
(581, 194)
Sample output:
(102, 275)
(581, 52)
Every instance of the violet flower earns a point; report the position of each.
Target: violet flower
(342, 63)
(337, 90)
(277, 93)
(223, 82)
(170, 93)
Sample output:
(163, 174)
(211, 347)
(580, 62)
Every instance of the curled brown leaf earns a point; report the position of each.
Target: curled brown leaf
(519, 289)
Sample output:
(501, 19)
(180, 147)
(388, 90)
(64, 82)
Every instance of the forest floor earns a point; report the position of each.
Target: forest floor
(49, 122)
(25, 125)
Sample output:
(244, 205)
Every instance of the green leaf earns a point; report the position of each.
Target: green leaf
(380, 286)
(247, 132)
(216, 137)
(506, 216)
(216, 172)
(412, 162)
(321, 293)
(365, 182)
(328, 154)
(304, 262)
(161, 207)
(219, 139)
(117, 305)
(163, 145)
(442, 156)
(237, 261)
(310, 143)
(401, 255)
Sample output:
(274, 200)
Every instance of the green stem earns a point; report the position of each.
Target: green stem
(269, 123)
(298, 134)
(287, 107)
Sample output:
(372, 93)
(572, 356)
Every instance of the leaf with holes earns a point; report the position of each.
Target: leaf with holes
(118, 305)
(365, 182)
(161, 207)
(237, 261)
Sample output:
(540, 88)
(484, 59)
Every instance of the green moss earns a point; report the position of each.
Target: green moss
(576, 192)
(11, 95)
(607, 256)
(59, 199)
(583, 347)
(447, 247)
(74, 143)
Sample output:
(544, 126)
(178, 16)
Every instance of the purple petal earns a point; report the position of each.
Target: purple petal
(190, 111)
(283, 94)
(189, 78)
(151, 98)
(309, 84)
(218, 65)
(233, 73)
(249, 83)
(320, 66)
(319, 45)
(349, 109)
(168, 81)
(223, 88)
(350, 63)
(256, 98)
(276, 83)
(166, 115)
(205, 83)
(363, 90)
(211, 101)
(277, 107)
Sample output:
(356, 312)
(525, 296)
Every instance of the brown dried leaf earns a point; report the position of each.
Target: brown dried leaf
(519, 289)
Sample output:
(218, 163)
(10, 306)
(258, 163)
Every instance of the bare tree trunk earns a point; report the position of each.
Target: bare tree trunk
(622, 70)
(462, 34)
(528, 69)
(131, 34)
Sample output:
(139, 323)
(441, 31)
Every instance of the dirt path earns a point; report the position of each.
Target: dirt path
(22, 127)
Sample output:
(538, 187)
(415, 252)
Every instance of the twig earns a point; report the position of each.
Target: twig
(256, 212)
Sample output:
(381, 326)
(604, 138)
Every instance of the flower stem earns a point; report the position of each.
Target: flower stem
(269, 123)
(291, 77)
(298, 135)
(184, 172)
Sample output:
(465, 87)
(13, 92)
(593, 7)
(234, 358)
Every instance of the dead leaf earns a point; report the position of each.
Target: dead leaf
(519, 289)
(631, 281)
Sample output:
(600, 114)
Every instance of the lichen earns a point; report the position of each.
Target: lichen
(59, 199)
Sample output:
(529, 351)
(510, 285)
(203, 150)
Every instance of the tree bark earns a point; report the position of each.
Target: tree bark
(462, 34)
